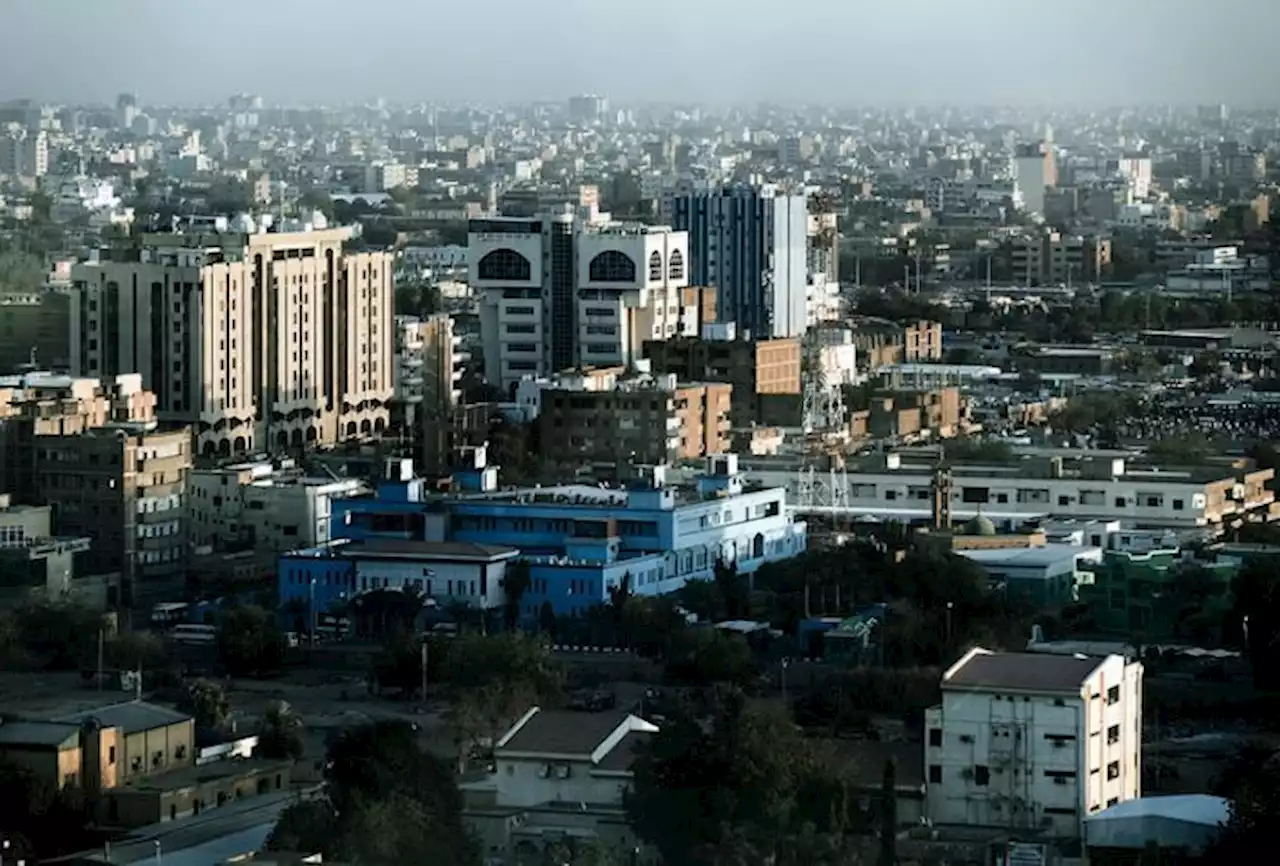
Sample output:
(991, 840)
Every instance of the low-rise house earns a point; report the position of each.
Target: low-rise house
(559, 775)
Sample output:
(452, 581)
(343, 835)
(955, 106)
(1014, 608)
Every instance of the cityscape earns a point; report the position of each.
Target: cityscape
(574, 470)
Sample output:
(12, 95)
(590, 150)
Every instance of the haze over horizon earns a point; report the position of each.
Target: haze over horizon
(841, 52)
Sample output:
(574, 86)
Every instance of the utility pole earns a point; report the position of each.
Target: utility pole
(101, 643)
(425, 654)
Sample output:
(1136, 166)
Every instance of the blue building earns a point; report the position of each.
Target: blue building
(751, 243)
(325, 578)
(581, 541)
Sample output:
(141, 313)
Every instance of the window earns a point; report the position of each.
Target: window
(1113, 735)
(675, 266)
(935, 774)
(504, 264)
(975, 494)
(612, 266)
(1113, 771)
(981, 775)
(1064, 500)
(1059, 810)
(1121, 502)
(1113, 695)
(111, 755)
(655, 267)
(1177, 505)
(935, 737)
(1112, 802)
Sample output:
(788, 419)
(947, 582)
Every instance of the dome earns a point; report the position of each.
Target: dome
(980, 525)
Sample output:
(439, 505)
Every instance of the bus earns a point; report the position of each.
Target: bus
(169, 612)
(188, 633)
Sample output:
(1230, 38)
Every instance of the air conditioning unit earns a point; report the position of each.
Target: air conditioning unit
(562, 771)
(544, 771)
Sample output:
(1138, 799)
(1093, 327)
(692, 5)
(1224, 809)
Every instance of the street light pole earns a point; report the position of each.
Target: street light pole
(157, 844)
(786, 662)
(311, 609)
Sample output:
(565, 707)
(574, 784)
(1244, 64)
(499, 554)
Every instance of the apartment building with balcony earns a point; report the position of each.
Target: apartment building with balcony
(1033, 742)
(264, 505)
(764, 374)
(606, 421)
(96, 454)
(1053, 258)
(882, 343)
(256, 337)
(428, 374)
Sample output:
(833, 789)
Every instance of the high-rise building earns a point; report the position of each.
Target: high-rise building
(428, 375)
(126, 110)
(1136, 170)
(588, 109)
(560, 292)
(24, 152)
(1035, 170)
(35, 330)
(751, 243)
(258, 339)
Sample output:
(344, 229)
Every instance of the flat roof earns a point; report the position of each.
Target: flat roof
(394, 547)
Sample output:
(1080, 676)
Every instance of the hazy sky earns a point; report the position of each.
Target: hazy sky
(838, 51)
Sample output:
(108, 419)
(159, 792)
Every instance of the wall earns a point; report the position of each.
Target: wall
(520, 783)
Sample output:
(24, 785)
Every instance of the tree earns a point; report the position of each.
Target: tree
(702, 656)
(492, 680)
(515, 583)
(733, 590)
(888, 816)
(280, 734)
(1255, 803)
(20, 273)
(386, 802)
(207, 703)
(249, 642)
(739, 784)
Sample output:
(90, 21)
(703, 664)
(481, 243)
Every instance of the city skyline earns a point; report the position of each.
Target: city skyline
(712, 51)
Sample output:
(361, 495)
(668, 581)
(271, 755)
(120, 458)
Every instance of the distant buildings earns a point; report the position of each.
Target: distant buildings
(258, 339)
(1033, 742)
(1034, 170)
(24, 153)
(752, 244)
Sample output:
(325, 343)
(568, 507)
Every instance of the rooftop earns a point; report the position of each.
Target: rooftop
(982, 670)
(579, 735)
(52, 735)
(1027, 557)
(130, 717)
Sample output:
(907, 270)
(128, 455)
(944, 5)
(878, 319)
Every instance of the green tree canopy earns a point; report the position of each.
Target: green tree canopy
(249, 643)
(740, 779)
(386, 802)
(280, 733)
(207, 703)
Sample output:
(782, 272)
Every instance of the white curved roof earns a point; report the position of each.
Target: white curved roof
(1184, 820)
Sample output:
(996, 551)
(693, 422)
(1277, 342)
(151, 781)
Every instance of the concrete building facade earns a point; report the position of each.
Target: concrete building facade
(559, 292)
(257, 339)
(752, 244)
(1033, 742)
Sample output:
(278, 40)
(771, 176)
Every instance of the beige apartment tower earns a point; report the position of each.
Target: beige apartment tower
(261, 340)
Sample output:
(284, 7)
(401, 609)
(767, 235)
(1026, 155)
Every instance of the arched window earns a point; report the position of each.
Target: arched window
(655, 267)
(675, 266)
(612, 266)
(504, 264)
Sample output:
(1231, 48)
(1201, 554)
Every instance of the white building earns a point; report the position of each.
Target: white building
(1033, 172)
(263, 506)
(559, 774)
(23, 152)
(1136, 170)
(890, 487)
(1033, 741)
(559, 292)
